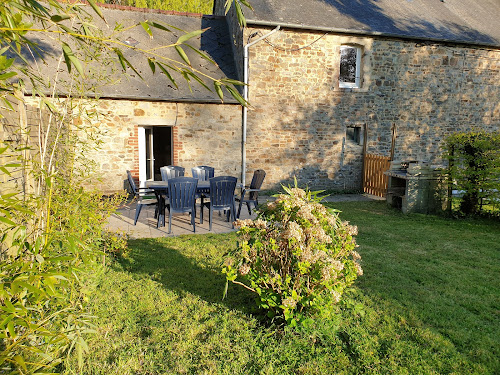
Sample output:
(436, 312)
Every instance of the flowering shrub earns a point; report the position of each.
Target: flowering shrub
(297, 256)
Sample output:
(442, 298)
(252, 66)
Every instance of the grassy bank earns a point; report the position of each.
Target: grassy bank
(428, 303)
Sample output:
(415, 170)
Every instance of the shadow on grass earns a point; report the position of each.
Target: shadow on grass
(189, 265)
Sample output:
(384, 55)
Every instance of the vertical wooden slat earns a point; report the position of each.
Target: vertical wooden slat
(374, 180)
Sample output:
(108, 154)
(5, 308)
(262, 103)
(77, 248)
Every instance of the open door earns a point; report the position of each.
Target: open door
(155, 151)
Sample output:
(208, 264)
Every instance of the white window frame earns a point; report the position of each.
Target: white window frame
(357, 81)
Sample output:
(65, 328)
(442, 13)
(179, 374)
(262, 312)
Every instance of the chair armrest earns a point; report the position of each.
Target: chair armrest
(145, 190)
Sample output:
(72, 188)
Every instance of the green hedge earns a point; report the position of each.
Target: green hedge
(474, 171)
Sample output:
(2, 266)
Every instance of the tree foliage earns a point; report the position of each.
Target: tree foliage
(474, 169)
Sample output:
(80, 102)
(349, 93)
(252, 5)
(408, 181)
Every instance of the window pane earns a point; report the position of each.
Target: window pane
(348, 65)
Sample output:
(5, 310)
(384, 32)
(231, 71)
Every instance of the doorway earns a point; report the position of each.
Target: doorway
(155, 151)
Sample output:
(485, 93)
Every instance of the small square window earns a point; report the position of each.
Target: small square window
(350, 67)
(353, 134)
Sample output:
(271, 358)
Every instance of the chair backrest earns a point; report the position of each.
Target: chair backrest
(181, 193)
(257, 180)
(203, 172)
(131, 182)
(222, 191)
(171, 171)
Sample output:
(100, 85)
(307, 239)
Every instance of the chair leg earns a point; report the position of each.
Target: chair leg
(239, 209)
(249, 209)
(138, 209)
(169, 222)
(201, 211)
(193, 217)
(210, 216)
(233, 214)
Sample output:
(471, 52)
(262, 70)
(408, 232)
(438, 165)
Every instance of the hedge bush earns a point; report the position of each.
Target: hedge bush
(474, 170)
(297, 256)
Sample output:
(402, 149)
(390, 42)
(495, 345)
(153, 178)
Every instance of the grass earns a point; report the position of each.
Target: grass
(192, 6)
(428, 303)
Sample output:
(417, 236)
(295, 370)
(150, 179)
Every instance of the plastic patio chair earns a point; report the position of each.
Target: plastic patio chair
(253, 192)
(203, 172)
(181, 198)
(171, 171)
(221, 198)
(144, 196)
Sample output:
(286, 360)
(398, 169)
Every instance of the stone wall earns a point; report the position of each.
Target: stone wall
(18, 132)
(299, 116)
(203, 134)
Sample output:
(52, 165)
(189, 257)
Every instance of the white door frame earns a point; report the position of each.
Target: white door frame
(149, 122)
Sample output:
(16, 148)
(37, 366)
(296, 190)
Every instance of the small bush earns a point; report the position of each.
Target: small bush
(297, 256)
(474, 168)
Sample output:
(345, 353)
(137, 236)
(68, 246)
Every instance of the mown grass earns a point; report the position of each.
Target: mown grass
(191, 6)
(428, 303)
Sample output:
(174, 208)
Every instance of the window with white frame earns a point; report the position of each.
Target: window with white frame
(350, 67)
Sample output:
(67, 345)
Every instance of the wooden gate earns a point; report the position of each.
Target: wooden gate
(374, 179)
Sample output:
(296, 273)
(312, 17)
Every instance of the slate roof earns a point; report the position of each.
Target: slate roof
(464, 21)
(215, 42)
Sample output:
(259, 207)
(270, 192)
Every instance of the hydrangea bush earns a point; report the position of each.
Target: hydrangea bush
(298, 256)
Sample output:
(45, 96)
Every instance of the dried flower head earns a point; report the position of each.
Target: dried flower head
(244, 269)
(359, 270)
(300, 193)
(336, 296)
(260, 224)
(243, 223)
(289, 302)
(337, 265)
(355, 255)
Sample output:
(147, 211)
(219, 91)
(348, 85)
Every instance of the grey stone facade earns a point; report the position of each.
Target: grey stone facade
(299, 117)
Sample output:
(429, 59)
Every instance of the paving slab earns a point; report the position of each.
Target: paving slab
(123, 220)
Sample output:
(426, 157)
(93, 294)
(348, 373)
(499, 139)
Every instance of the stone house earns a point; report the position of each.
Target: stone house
(338, 77)
(328, 82)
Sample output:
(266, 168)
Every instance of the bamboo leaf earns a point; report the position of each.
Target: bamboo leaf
(239, 13)
(165, 71)
(202, 54)
(158, 26)
(96, 9)
(246, 3)
(182, 54)
(218, 90)
(66, 51)
(235, 94)
(59, 17)
(70, 58)
(124, 62)
(228, 5)
(188, 80)
(190, 35)
(152, 65)
(199, 80)
(232, 82)
(6, 221)
(146, 28)
(20, 361)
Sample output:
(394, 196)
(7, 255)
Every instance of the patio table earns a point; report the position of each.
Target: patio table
(161, 191)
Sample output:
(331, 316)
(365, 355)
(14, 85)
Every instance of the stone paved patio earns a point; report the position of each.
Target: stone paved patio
(123, 220)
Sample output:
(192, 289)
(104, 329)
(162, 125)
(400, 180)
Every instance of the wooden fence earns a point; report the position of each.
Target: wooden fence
(374, 179)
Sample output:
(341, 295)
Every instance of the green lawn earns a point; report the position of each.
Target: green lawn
(428, 303)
